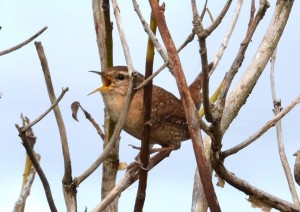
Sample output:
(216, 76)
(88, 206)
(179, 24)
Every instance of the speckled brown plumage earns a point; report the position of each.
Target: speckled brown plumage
(168, 122)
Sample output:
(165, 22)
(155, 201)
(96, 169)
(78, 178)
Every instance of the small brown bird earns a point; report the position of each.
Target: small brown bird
(168, 121)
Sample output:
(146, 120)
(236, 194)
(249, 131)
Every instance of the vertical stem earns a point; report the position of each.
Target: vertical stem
(147, 99)
(283, 158)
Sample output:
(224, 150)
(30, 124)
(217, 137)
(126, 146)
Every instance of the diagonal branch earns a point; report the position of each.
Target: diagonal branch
(240, 56)
(47, 111)
(128, 179)
(230, 29)
(264, 129)
(38, 168)
(188, 105)
(163, 53)
(270, 41)
(23, 43)
(69, 191)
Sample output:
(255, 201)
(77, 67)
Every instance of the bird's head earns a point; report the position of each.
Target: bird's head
(114, 79)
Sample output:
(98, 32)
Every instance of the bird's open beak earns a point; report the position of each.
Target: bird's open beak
(106, 82)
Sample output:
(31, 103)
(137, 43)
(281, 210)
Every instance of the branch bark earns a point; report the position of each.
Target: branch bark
(188, 105)
(282, 154)
(147, 100)
(68, 188)
(240, 93)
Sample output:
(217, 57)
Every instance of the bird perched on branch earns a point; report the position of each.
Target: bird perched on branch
(168, 121)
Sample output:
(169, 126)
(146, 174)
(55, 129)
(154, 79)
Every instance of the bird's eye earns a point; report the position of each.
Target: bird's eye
(121, 76)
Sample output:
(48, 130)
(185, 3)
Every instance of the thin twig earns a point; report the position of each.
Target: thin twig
(189, 39)
(64, 90)
(282, 154)
(128, 179)
(153, 37)
(217, 22)
(230, 29)
(203, 10)
(23, 43)
(122, 37)
(264, 129)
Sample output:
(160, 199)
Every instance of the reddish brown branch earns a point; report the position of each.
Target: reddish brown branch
(189, 107)
(147, 100)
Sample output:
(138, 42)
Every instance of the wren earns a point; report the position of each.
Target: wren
(168, 122)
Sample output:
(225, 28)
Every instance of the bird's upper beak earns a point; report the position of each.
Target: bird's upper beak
(106, 82)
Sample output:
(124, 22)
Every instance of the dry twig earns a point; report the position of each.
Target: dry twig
(69, 191)
(23, 43)
(282, 154)
(262, 130)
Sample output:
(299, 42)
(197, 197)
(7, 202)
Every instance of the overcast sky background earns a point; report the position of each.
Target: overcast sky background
(71, 50)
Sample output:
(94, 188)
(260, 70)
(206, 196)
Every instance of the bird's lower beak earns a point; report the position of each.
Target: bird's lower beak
(106, 82)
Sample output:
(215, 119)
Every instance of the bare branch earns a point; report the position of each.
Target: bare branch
(147, 104)
(217, 22)
(26, 189)
(47, 111)
(23, 43)
(188, 105)
(189, 39)
(153, 37)
(273, 34)
(282, 154)
(264, 129)
(204, 9)
(99, 23)
(240, 57)
(128, 179)
(38, 169)
(122, 37)
(230, 29)
(69, 191)
(252, 191)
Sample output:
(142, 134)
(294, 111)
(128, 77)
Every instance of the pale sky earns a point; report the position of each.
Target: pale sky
(71, 50)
